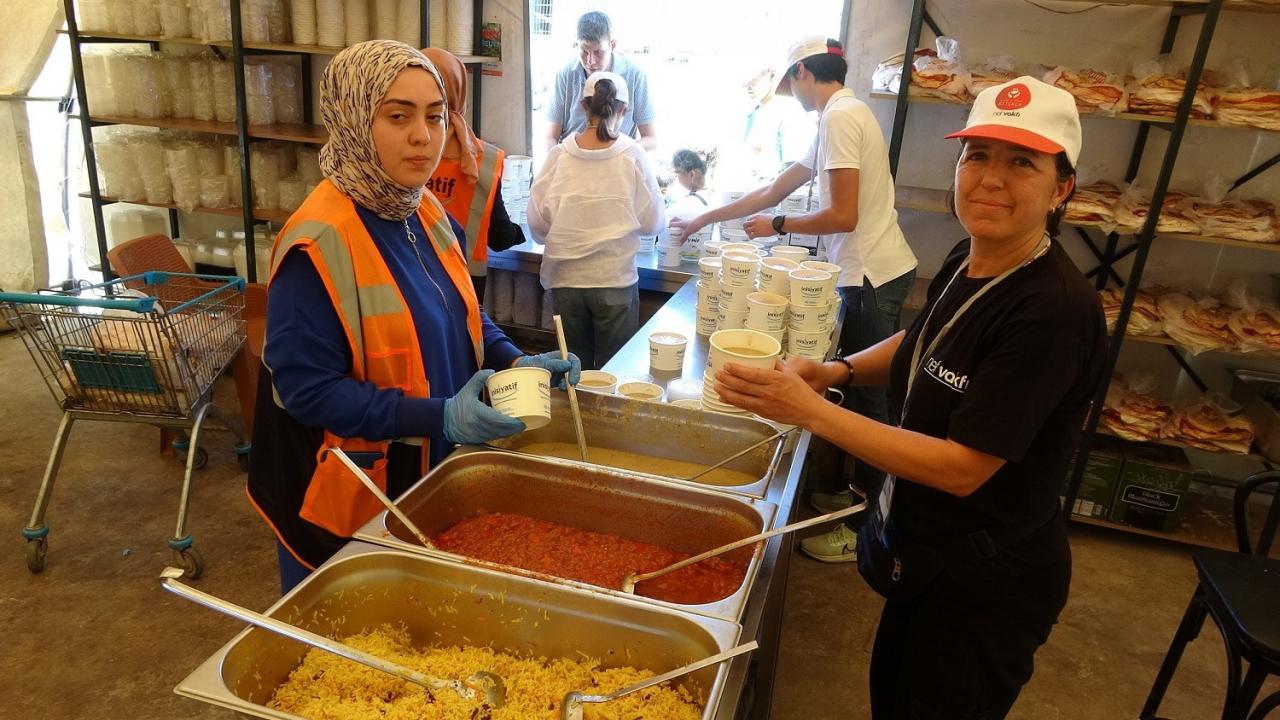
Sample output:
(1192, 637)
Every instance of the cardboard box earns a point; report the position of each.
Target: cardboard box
(1153, 489)
(1098, 483)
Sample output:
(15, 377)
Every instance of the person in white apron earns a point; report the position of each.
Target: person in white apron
(990, 385)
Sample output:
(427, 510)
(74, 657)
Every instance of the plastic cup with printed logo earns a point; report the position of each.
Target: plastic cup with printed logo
(646, 245)
(731, 319)
(793, 253)
(767, 311)
(707, 322)
(739, 268)
(824, 267)
(774, 275)
(709, 270)
(805, 318)
(744, 347)
(734, 299)
(598, 381)
(811, 288)
(523, 393)
(666, 350)
(640, 390)
(812, 345)
(712, 248)
(708, 297)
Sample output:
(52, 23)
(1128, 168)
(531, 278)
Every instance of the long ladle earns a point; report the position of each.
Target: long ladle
(377, 492)
(491, 684)
(571, 706)
(629, 582)
(740, 453)
(573, 393)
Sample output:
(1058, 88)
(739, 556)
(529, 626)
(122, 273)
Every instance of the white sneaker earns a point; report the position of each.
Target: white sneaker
(837, 546)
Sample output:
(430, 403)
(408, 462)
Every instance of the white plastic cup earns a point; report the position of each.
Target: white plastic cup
(734, 299)
(812, 345)
(739, 268)
(598, 381)
(666, 350)
(767, 311)
(708, 299)
(523, 393)
(712, 248)
(731, 319)
(640, 390)
(674, 236)
(803, 318)
(779, 335)
(811, 288)
(774, 275)
(669, 256)
(707, 321)
(709, 270)
(744, 347)
(793, 253)
(821, 265)
(743, 245)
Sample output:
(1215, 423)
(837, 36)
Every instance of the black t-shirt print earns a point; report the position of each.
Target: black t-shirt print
(1013, 378)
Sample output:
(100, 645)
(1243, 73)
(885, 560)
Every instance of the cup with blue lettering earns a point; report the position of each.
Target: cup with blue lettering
(812, 345)
(523, 393)
(739, 268)
(811, 288)
(766, 312)
(666, 350)
(805, 318)
(774, 275)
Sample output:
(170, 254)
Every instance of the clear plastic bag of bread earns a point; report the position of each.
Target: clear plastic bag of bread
(1234, 218)
(1175, 212)
(1255, 321)
(1213, 423)
(1198, 325)
(993, 71)
(941, 75)
(1096, 90)
(1242, 96)
(1157, 89)
(1094, 201)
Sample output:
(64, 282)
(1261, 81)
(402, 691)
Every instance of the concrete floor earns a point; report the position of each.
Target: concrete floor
(94, 636)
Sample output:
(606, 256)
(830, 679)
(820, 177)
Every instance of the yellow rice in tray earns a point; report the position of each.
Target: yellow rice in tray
(327, 687)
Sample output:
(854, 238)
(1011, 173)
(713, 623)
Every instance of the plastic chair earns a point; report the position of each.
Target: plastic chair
(157, 252)
(1241, 592)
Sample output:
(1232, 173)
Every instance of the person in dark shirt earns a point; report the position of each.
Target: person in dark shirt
(375, 340)
(991, 384)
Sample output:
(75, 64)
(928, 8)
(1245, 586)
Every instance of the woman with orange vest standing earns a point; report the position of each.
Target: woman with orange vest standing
(376, 342)
(467, 179)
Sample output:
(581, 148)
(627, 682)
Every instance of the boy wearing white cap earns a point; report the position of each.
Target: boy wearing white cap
(858, 224)
(990, 384)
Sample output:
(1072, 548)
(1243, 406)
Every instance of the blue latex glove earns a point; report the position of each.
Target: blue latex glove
(551, 361)
(467, 420)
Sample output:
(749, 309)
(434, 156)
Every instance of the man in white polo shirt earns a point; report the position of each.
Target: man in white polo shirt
(858, 224)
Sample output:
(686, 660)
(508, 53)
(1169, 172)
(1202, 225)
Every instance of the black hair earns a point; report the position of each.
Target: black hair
(1062, 171)
(828, 67)
(594, 27)
(687, 161)
(603, 105)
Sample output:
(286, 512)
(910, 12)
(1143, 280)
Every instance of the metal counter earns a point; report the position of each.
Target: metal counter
(748, 686)
(527, 257)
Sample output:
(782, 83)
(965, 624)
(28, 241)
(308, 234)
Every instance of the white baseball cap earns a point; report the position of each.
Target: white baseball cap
(806, 47)
(619, 84)
(1027, 112)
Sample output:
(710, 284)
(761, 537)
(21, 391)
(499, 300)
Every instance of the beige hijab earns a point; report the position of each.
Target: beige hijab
(351, 89)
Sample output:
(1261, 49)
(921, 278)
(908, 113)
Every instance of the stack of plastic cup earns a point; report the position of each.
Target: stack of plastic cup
(92, 16)
(309, 164)
(203, 104)
(149, 155)
(217, 20)
(177, 72)
(708, 307)
(517, 177)
(175, 19)
(183, 164)
(292, 193)
(146, 18)
(356, 16)
(98, 81)
(286, 91)
(258, 93)
(668, 246)
(224, 91)
(813, 310)
(264, 167)
(384, 18)
(231, 164)
(330, 29)
(737, 281)
(278, 22)
(255, 26)
(768, 313)
(409, 23)
(302, 20)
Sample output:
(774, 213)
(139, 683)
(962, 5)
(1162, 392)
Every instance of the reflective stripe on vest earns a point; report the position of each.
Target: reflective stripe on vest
(471, 204)
(380, 332)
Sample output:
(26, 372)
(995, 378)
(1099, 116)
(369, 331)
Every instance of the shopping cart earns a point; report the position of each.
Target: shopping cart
(142, 349)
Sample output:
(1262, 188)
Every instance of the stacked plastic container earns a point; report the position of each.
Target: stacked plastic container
(517, 178)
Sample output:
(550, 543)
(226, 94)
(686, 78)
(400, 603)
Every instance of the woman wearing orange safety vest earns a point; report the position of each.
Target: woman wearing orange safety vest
(467, 180)
(376, 342)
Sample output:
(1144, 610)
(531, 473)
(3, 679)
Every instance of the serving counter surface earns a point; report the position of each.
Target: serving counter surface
(527, 257)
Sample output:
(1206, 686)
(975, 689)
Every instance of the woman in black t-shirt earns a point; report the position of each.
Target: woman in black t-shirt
(991, 384)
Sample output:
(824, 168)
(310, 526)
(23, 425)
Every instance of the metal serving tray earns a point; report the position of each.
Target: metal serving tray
(680, 517)
(364, 586)
(661, 430)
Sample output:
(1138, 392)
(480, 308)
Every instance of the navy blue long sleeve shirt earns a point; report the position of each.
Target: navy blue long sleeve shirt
(307, 352)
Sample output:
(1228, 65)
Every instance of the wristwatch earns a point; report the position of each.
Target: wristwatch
(777, 223)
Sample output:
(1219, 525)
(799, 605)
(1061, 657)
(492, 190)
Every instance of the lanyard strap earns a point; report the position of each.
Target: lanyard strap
(1040, 249)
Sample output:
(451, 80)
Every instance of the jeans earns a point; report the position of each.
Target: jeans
(871, 315)
(597, 321)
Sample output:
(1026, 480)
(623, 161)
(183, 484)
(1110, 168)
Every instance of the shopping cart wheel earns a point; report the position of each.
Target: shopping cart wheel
(201, 459)
(191, 563)
(36, 550)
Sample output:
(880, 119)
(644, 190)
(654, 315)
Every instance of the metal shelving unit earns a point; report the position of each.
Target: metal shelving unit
(307, 132)
(1109, 254)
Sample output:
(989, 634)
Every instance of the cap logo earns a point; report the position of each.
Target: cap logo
(1014, 97)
